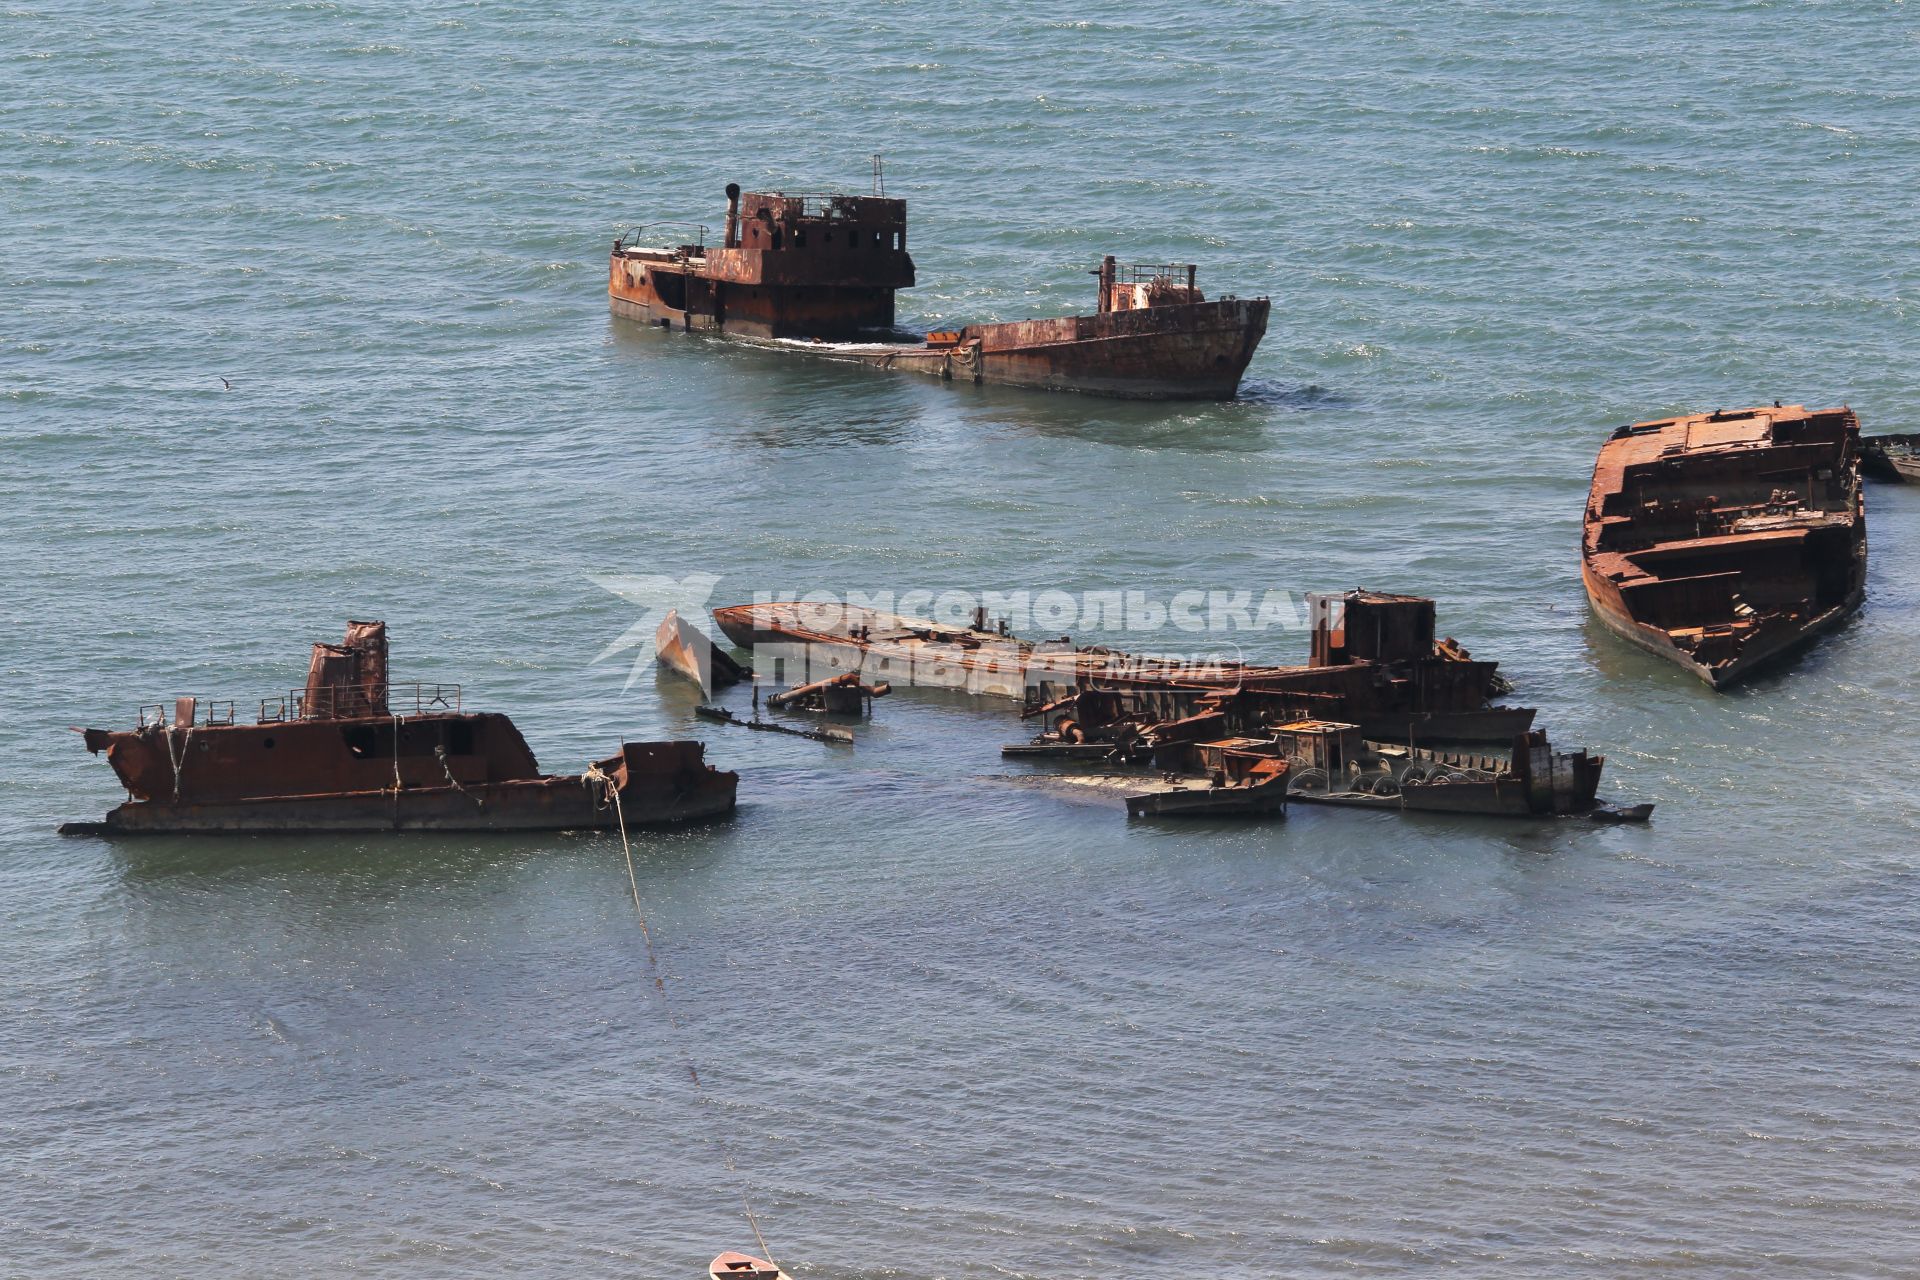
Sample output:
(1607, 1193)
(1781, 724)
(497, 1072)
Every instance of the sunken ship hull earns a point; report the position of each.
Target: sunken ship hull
(350, 753)
(817, 274)
(1374, 656)
(1192, 351)
(1726, 542)
(1895, 458)
(1758, 652)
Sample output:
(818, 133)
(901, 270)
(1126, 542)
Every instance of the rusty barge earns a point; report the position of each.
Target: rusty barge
(1725, 541)
(350, 752)
(818, 273)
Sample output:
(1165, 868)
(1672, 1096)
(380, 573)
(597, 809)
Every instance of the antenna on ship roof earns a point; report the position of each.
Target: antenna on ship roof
(879, 181)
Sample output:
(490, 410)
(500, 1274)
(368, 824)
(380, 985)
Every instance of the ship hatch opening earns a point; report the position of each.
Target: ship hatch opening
(671, 287)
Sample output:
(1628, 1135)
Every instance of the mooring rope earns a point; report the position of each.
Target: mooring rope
(180, 761)
(611, 791)
(396, 755)
(440, 753)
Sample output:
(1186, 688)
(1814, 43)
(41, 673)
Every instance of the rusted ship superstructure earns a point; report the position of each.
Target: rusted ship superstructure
(1724, 541)
(818, 273)
(1374, 657)
(351, 752)
(1375, 719)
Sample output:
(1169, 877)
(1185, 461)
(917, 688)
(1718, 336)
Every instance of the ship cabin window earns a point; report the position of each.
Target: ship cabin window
(827, 235)
(879, 239)
(799, 237)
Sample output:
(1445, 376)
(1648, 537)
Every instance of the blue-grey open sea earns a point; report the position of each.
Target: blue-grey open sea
(946, 1026)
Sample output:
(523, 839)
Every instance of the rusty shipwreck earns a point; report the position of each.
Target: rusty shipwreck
(351, 752)
(1374, 658)
(818, 273)
(1895, 458)
(1725, 541)
(1386, 713)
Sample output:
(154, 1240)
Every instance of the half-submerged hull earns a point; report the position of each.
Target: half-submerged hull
(1760, 651)
(1197, 351)
(1726, 542)
(648, 784)
(1895, 458)
(1260, 798)
(1385, 669)
(352, 752)
(1336, 766)
(817, 274)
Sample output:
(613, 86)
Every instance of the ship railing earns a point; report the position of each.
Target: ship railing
(820, 204)
(1147, 272)
(214, 713)
(331, 702)
(348, 701)
(631, 237)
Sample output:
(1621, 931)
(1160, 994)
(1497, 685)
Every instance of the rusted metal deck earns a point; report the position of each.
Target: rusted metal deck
(1725, 541)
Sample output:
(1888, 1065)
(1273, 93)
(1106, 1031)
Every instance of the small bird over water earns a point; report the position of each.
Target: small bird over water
(224, 382)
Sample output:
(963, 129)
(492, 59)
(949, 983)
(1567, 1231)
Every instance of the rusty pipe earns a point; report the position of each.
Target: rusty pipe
(799, 692)
(733, 215)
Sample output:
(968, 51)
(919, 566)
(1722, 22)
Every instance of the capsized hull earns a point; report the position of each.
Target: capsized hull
(894, 649)
(681, 647)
